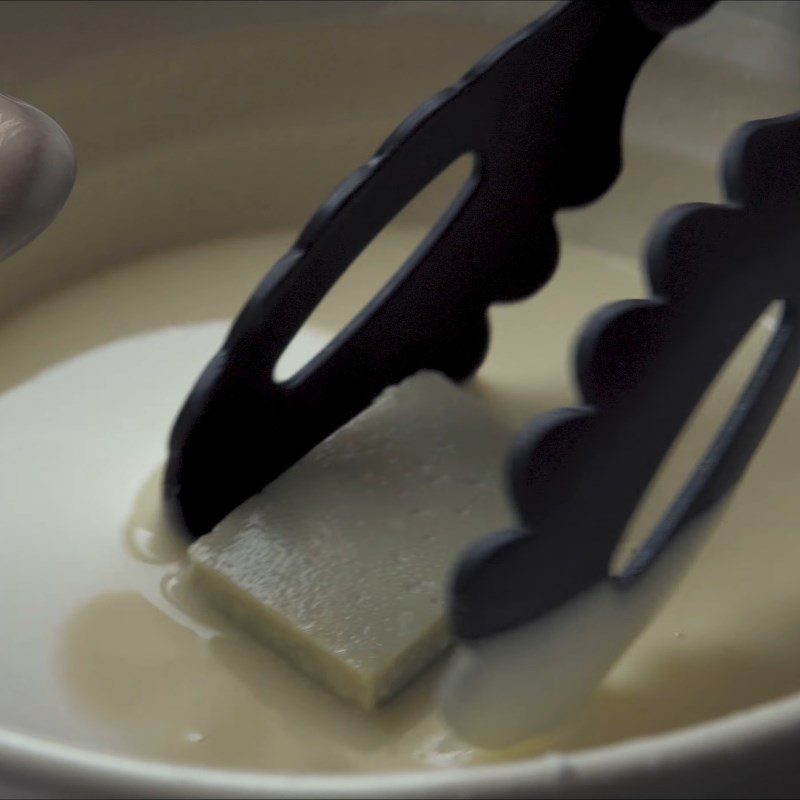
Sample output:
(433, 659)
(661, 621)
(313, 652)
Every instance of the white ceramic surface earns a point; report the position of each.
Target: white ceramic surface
(190, 121)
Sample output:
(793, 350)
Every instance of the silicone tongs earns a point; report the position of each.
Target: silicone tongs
(542, 116)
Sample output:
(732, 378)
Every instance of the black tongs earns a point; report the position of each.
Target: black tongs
(542, 116)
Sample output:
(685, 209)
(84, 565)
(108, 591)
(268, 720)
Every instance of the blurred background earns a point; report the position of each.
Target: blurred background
(197, 120)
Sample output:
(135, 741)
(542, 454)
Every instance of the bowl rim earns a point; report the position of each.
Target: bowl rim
(28, 762)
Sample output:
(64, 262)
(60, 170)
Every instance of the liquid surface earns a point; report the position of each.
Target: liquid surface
(106, 646)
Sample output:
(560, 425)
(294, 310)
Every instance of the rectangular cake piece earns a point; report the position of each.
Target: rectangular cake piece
(341, 564)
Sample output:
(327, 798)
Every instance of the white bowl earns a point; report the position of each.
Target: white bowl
(196, 121)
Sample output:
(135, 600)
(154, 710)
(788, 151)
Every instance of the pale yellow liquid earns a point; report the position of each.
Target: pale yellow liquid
(105, 644)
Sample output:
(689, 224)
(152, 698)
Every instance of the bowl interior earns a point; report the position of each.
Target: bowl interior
(197, 122)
